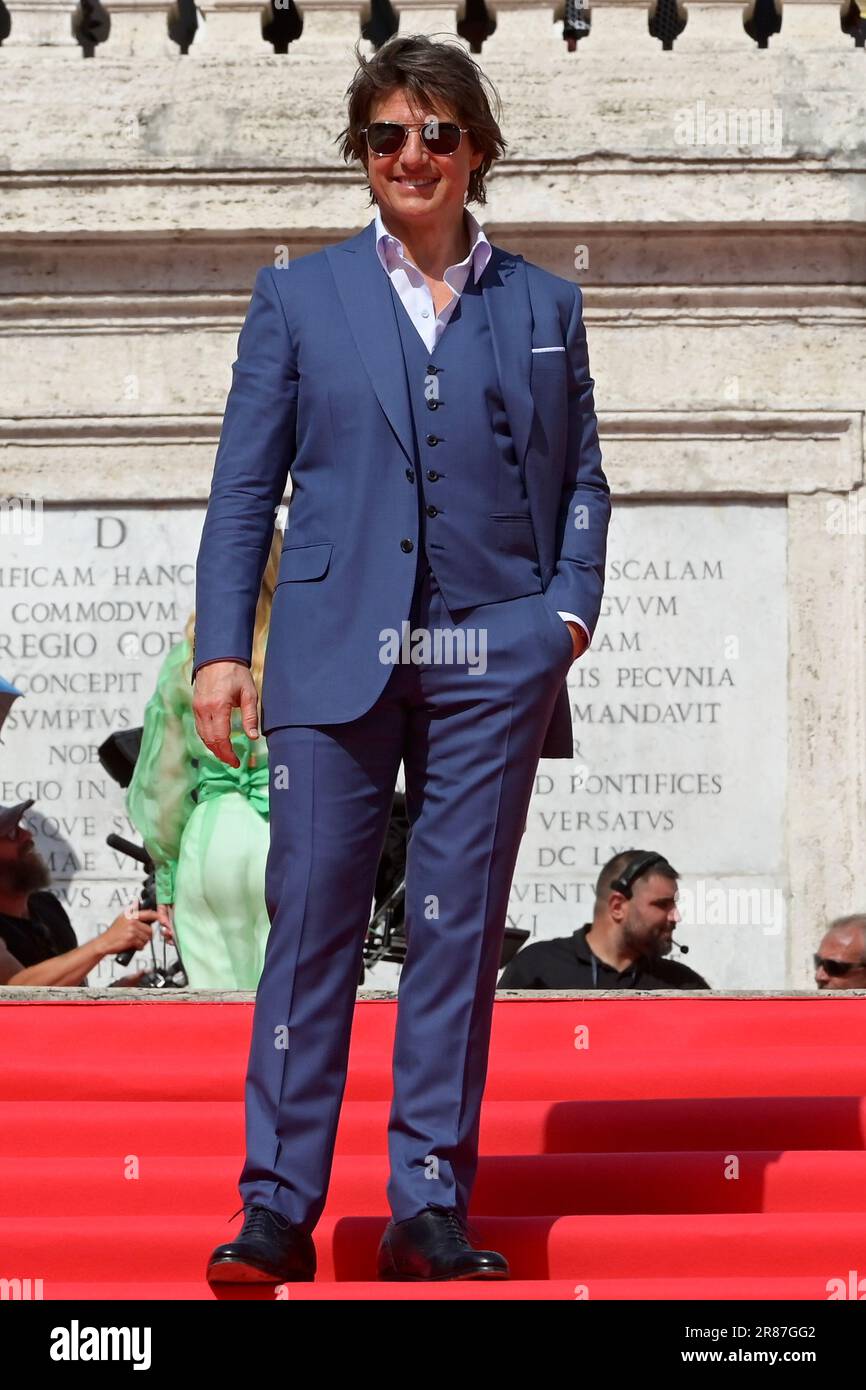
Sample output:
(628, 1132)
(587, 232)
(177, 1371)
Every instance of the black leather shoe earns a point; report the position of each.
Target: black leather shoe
(269, 1250)
(434, 1245)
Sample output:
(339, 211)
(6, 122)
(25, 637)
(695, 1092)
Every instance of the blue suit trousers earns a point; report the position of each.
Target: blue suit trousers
(470, 741)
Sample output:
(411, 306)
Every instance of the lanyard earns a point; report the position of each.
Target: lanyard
(633, 972)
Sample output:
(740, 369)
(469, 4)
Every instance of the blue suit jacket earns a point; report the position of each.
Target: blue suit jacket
(316, 333)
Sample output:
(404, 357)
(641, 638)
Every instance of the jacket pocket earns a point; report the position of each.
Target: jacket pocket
(514, 534)
(304, 561)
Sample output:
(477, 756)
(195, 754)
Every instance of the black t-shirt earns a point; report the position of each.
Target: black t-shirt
(566, 962)
(46, 932)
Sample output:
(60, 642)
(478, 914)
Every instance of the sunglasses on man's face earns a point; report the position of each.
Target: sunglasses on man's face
(836, 967)
(389, 137)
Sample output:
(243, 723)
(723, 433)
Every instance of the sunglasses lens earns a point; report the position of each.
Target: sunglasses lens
(384, 137)
(832, 967)
(442, 138)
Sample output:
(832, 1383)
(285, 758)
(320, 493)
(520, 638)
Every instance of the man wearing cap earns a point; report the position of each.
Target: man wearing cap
(38, 945)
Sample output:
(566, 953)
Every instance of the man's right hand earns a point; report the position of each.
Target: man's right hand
(127, 933)
(220, 687)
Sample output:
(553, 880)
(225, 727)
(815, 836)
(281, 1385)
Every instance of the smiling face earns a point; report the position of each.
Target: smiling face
(415, 188)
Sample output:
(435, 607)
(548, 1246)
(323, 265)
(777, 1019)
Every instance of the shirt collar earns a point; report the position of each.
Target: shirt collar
(480, 249)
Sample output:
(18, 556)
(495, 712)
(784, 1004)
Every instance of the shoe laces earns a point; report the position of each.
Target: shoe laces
(458, 1226)
(258, 1220)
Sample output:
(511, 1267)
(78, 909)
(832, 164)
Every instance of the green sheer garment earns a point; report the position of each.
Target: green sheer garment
(205, 826)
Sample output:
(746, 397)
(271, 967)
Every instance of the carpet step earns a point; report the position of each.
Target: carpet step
(790, 1071)
(171, 1128)
(517, 1184)
(688, 1048)
(174, 1249)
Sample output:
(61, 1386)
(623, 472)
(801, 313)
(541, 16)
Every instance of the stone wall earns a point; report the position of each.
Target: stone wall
(710, 200)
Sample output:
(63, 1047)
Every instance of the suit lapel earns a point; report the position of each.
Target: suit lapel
(506, 298)
(366, 297)
(365, 294)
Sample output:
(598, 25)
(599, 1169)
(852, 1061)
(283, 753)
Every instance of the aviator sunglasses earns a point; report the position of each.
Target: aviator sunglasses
(389, 137)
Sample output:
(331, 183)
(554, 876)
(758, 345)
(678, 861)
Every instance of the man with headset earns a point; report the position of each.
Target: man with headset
(625, 944)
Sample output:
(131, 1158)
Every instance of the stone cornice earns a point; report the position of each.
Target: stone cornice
(176, 203)
(618, 306)
(763, 455)
(56, 994)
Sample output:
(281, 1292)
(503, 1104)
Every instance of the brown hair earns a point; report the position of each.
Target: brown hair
(619, 864)
(437, 74)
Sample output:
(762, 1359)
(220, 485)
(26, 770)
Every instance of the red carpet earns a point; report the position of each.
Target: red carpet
(606, 1171)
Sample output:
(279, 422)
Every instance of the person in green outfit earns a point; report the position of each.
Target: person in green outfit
(205, 823)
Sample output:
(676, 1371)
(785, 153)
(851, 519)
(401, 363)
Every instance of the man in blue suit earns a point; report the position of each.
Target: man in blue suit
(430, 395)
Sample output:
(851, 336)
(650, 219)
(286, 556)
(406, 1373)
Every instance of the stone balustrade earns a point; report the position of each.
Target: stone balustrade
(234, 28)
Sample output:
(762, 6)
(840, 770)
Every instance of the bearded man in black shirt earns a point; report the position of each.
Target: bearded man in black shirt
(38, 945)
(625, 944)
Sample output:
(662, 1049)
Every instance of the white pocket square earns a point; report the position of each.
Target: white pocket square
(549, 349)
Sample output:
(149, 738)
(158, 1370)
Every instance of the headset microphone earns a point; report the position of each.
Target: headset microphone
(636, 868)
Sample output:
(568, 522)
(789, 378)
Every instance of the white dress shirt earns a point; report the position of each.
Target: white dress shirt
(417, 298)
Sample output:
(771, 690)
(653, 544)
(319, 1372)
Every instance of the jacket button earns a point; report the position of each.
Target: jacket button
(432, 439)
(432, 474)
(431, 368)
(432, 511)
(410, 475)
(406, 544)
(433, 405)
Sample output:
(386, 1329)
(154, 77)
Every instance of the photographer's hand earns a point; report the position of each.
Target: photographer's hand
(127, 932)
